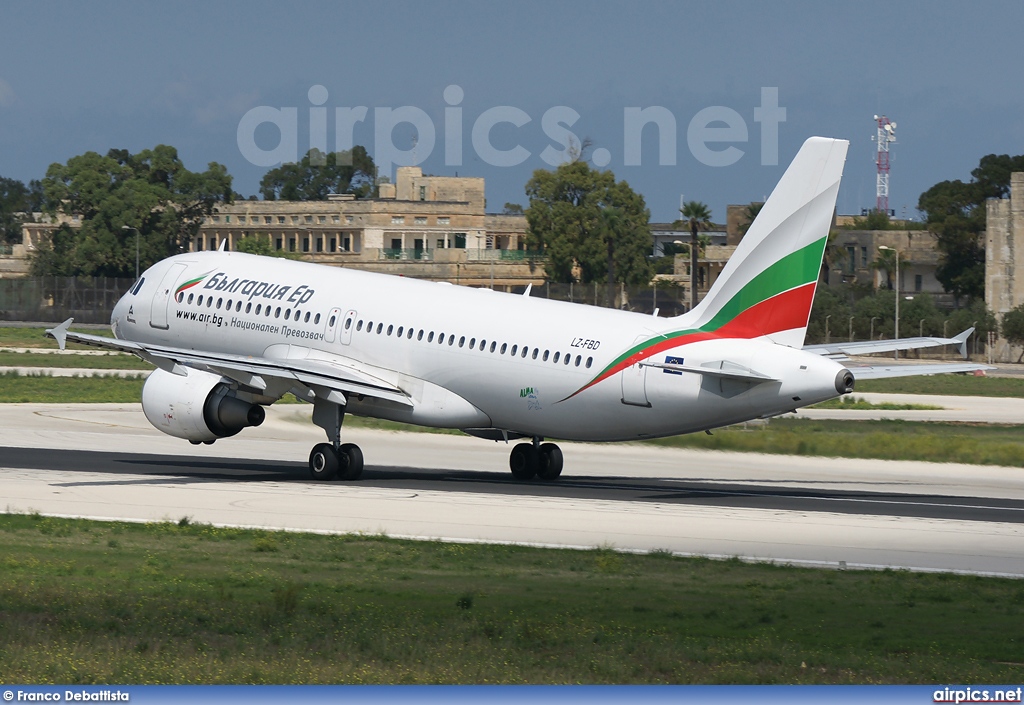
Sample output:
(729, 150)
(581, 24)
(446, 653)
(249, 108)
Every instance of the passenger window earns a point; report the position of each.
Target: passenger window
(504, 346)
(440, 338)
(525, 350)
(578, 358)
(306, 318)
(390, 328)
(230, 304)
(181, 295)
(380, 327)
(277, 312)
(190, 298)
(238, 307)
(287, 313)
(316, 318)
(493, 345)
(209, 302)
(199, 301)
(348, 323)
(451, 339)
(408, 336)
(462, 341)
(545, 356)
(359, 326)
(515, 349)
(219, 301)
(567, 359)
(472, 343)
(555, 358)
(419, 336)
(258, 307)
(248, 307)
(535, 351)
(483, 344)
(400, 331)
(430, 337)
(330, 322)
(590, 361)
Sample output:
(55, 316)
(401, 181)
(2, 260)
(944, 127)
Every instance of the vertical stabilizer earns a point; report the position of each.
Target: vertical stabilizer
(768, 285)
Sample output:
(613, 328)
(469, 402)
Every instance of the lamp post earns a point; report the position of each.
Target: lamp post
(896, 336)
(871, 335)
(826, 327)
(128, 227)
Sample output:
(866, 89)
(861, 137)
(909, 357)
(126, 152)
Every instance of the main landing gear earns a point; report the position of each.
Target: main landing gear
(540, 460)
(335, 459)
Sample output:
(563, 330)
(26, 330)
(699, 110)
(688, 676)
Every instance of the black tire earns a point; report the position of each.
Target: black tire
(350, 462)
(524, 461)
(323, 462)
(550, 462)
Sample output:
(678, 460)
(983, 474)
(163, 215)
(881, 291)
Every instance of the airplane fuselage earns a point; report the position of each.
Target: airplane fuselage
(470, 358)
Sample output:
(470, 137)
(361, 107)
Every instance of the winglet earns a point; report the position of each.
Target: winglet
(60, 333)
(223, 244)
(529, 288)
(961, 342)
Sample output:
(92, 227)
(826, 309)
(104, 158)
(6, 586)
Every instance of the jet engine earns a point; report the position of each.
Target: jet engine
(199, 406)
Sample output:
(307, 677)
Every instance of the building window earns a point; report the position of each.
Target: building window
(420, 220)
(863, 258)
(199, 244)
(278, 244)
(227, 219)
(291, 244)
(349, 218)
(918, 282)
(332, 245)
(216, 219)
(309, 219)
(280, 219)
(336, 219)
(241, 219)
(440, 243)
(267, 220)
(397, 219)
(851, 259)
(460, 241)
(319, 244)
(305, 244)
(423, 193)
(322, 219)
(444, 220)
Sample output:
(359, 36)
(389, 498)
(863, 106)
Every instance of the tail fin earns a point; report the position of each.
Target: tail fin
(768, 285)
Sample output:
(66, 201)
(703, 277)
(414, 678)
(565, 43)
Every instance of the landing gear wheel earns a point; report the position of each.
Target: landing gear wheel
(323, 462)
(550, 462)
(350, 462)
(524, 461)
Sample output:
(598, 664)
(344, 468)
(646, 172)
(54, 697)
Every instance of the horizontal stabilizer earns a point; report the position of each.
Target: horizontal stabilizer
(886, 371)
(721, 369)
(866, 347)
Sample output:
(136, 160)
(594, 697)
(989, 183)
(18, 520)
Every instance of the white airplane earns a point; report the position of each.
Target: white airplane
(231, 333)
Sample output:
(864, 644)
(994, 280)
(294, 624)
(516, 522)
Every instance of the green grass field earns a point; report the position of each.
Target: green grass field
(955, 385)
(18, 337)
(96, 602)
(851, 402)
(42, 389)
(119, 361)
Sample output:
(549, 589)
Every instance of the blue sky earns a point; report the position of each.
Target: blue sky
(94, 76)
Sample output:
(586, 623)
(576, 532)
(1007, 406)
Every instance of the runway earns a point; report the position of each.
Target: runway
(105, 461)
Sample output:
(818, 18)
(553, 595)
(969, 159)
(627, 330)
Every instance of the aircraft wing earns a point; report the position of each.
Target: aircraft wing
(864, 347)
(330, 380)
(885, 371)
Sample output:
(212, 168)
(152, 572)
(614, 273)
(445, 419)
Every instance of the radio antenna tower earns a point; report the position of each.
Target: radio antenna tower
(885, 136)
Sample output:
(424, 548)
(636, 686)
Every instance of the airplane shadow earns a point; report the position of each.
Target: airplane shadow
(139, 469)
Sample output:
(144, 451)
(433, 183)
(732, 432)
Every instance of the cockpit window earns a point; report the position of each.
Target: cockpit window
(138, 285)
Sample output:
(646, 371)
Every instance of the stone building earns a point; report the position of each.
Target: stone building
(858, 250)
(1004, 238)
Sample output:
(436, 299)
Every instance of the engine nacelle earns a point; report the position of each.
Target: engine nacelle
(199, 406)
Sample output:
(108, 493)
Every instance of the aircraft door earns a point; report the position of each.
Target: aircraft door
(634, 383)
(333, 321)
(161, 302)
(347, 326)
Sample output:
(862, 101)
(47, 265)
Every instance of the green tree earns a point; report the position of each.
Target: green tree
(260, 244)
(955, 212)
(582, 218)
(317, 176)
(17, 202)
(151, 192)
(1013, 327)
(696, 217)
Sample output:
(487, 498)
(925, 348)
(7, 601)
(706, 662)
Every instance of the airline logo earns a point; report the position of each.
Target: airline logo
(254, 287)
(189, 284)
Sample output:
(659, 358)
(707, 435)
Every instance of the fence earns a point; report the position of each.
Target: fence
(54, 299)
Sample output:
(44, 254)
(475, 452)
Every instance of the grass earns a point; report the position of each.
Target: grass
(858, 404)
(18, 337)
(44, 389)
(951, 385)
(179, 602)
(978, 444)
(117, 361)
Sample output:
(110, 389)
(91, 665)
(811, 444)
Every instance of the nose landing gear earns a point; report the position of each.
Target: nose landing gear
(540, 460)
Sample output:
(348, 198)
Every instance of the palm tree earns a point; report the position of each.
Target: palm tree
(749, 213)
(697, 216)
